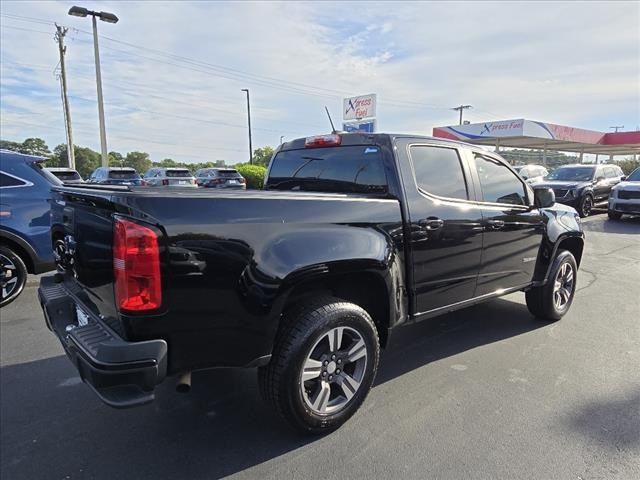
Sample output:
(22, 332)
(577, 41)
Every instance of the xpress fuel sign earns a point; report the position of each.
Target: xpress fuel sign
(356, 108)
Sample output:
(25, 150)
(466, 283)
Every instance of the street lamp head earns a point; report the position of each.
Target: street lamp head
(108, 17)
(78, 11)
(244, 90)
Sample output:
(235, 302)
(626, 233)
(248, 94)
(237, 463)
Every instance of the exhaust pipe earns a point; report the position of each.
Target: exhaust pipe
(183, 384)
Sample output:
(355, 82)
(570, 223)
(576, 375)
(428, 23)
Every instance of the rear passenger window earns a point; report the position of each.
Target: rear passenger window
(610, 172)
(499, 184)
(9, 181)
(439, 171)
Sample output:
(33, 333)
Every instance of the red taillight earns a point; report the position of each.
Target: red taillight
(165, 182)
(136, 267)
(242, 180)
(323, 141)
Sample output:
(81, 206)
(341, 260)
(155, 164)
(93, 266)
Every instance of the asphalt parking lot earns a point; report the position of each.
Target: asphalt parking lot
(487, 392)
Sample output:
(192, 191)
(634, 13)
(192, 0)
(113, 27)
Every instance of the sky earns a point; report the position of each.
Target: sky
(173, 71)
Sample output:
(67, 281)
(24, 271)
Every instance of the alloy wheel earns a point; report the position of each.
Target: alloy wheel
(563, 286)
(333, 370)
(9, 277)
(586, 206)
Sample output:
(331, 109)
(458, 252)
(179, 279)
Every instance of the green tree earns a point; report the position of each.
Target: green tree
(87, 160)
(116, 159)
(8, 145)
(254, 174)
(59, 156)
(35, 146)
(262, 156)
(140, 161)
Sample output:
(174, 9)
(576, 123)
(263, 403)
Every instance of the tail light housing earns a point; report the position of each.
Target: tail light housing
(136, 267)
(242, 180)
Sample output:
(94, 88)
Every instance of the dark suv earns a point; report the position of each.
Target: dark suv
(115, 176)
(220, 178)
(25, 231)
(583, 186)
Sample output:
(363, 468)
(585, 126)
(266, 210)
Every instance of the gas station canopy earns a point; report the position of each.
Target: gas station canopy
(521, 133)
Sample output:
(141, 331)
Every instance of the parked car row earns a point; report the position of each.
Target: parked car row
(157, 177)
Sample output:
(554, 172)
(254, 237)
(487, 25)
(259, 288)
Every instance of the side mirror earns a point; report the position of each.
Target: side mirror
(623, 178)
(543, 197)
(599, 179)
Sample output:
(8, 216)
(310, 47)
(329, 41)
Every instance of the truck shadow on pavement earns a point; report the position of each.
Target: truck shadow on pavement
(54, 427)
(626, 225)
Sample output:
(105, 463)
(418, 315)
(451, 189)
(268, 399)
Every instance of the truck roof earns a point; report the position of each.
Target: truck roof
(358, 138)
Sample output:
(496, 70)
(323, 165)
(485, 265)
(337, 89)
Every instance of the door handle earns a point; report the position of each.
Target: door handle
(495, 224)
(431, 223)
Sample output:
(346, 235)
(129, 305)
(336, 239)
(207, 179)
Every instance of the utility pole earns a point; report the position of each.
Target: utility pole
(103, 133)
(616, 128)
(246, 90)
(59, 37)
(460, 109)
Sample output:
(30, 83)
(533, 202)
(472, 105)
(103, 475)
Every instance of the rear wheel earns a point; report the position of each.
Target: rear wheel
(614, 215)
(13, 275)
(323, 365)
(552, 300)
(586, 205)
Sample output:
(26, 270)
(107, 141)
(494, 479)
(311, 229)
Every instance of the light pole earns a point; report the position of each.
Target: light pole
(109, 18)
(246, 90)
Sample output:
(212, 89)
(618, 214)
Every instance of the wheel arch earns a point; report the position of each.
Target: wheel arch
(368, 288)
(20, 247)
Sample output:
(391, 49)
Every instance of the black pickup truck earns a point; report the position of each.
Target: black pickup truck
(353, 236)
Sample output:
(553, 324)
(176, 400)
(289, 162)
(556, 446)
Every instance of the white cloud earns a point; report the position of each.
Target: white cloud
(563, 62)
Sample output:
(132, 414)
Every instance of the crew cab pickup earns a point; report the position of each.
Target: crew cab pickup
(354, 236)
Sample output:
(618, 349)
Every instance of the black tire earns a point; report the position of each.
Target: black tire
(541, 300)
(614, 215)
(303, 329)
(586, 205)
(13, 275)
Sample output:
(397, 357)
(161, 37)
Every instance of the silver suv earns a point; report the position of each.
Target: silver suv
(169, 177)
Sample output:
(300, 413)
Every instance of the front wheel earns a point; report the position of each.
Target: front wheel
(323, 364)
(552, 301)
(13, 275)
(586, 205)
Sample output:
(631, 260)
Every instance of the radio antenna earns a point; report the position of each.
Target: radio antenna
(333, 129)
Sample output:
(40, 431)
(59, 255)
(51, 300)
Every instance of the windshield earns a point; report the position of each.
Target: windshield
(228, 173)
(178, 173)
(355, 168)
(580, 174)
(123, 174)
(634, 176)
(66, 176)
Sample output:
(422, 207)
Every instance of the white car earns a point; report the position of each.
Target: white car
(66, 175)
(169, 177)
(531, 173)
(625, 197)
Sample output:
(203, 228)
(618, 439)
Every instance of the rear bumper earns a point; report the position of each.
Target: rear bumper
(123, 374)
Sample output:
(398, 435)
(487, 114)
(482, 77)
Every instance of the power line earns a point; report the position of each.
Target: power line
(235, 74)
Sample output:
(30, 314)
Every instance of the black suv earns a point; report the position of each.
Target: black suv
(583, 186)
